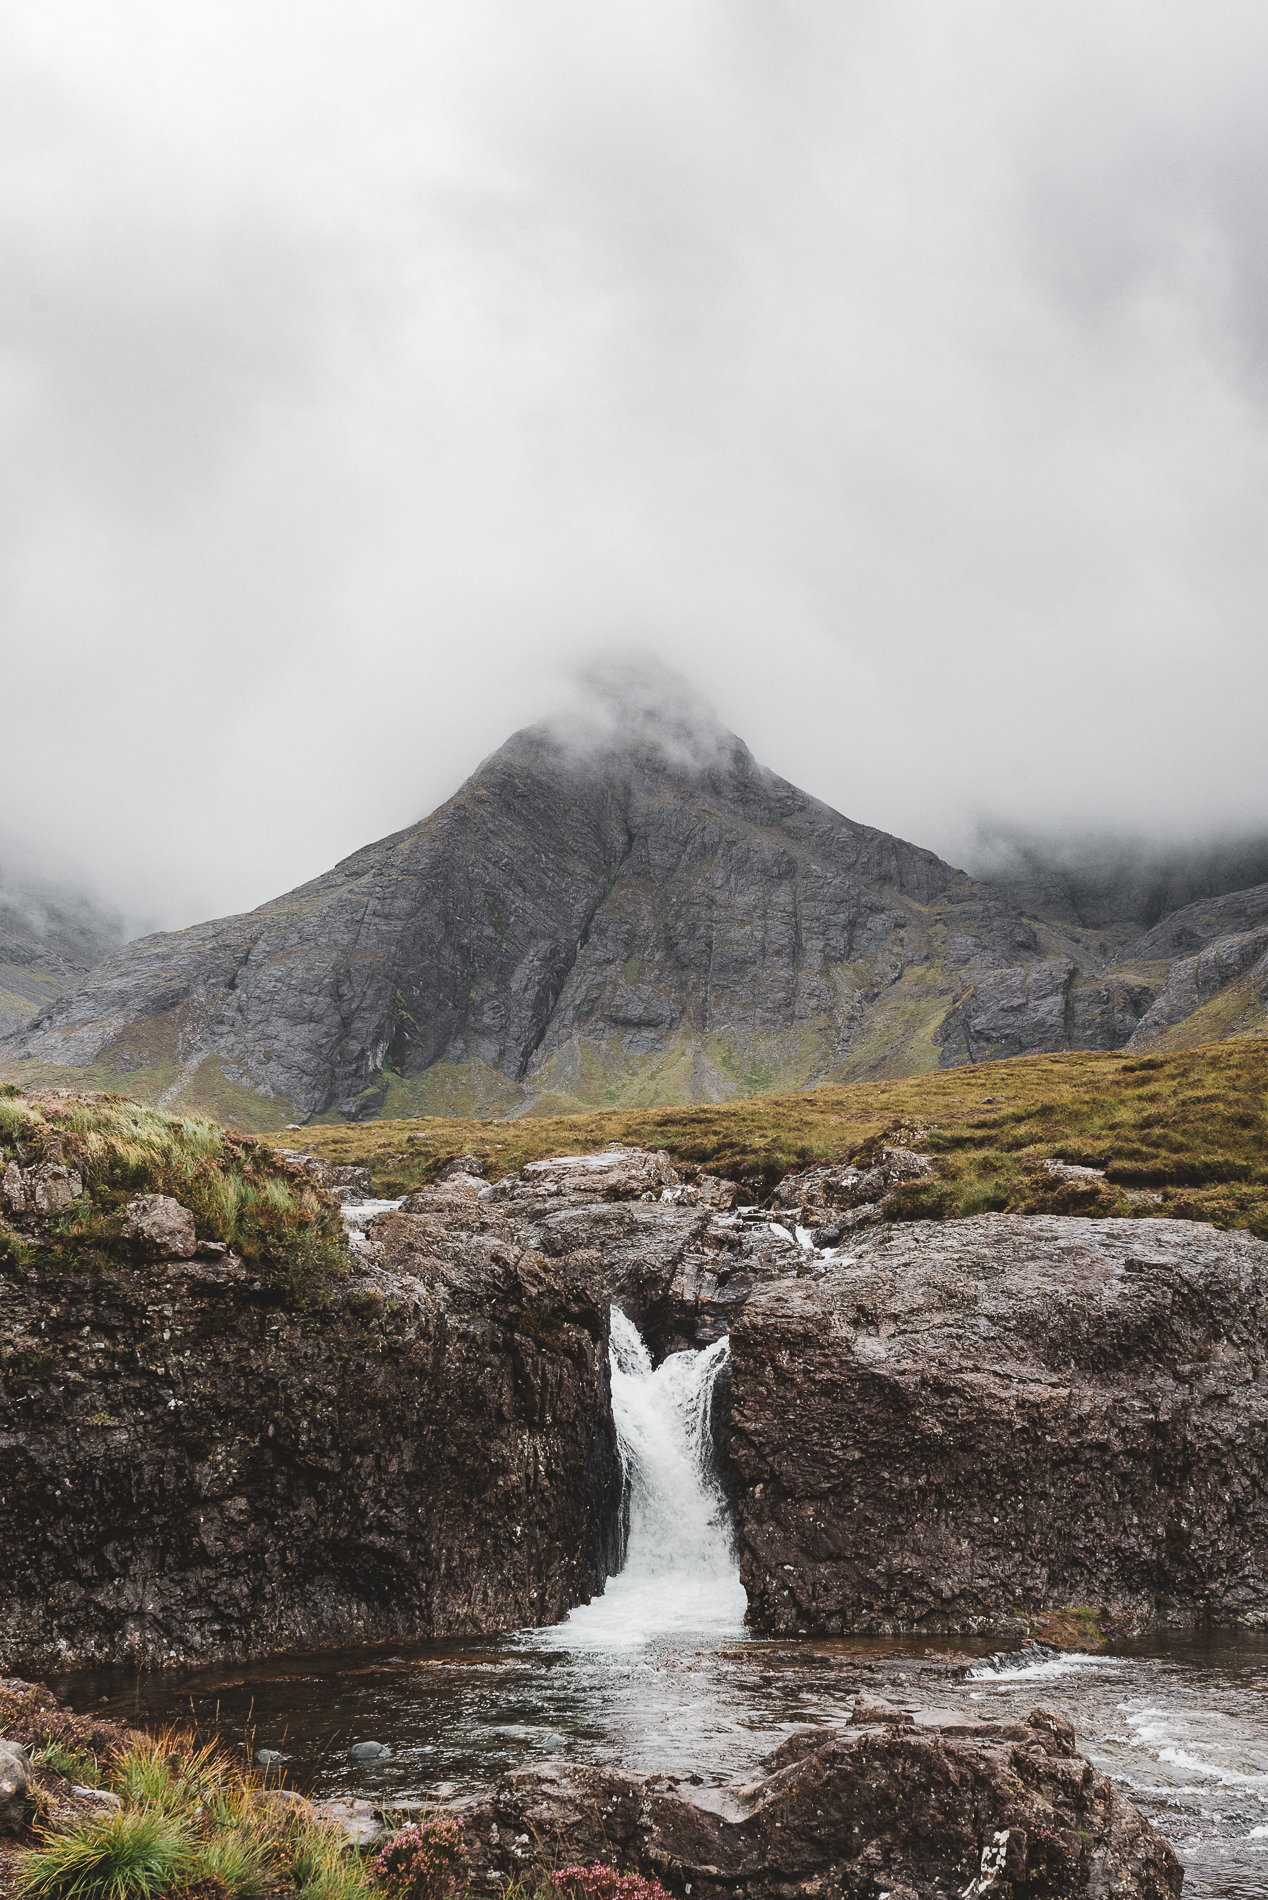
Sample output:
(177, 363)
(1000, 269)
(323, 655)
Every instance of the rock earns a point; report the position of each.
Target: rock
(369, 1751)
(356, 1178)
(681, 1273)
(432, 1454)
(615, 1173)
(1014, 1012)
(360, 1820)
(1193, 981)
(917, 1802)
(269, 1757)
(460, 1164)
(834, 1201)
(48, 1190)
(159, 1228)
(971, 1419)
(16, 1787)
(13, 1189)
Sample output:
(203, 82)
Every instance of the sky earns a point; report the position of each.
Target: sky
(896, 372)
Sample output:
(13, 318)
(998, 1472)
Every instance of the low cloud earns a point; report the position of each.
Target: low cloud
(896, 377)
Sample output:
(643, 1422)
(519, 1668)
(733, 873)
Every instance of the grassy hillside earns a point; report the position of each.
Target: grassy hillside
(1182, 1134)
(239, 1190)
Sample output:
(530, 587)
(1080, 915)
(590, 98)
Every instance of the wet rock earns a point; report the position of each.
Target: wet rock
(357, 1179)
(432, 1454)
(16, 1786)
(968, 1420)
(916, 1801)
(159, 1228)
(832, 1202)
(316, 1167)
(681, 1273)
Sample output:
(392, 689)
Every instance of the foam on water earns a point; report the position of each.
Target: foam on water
(681, 1575)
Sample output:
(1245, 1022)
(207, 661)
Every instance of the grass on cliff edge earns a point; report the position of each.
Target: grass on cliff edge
(239, 1190)
(1183, 1135)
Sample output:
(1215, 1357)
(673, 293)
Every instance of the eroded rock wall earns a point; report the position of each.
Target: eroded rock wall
(964, 1421)
(191, 1471)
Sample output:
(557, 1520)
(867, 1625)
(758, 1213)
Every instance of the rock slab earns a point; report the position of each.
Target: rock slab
(964, 1422)
(909, 1804)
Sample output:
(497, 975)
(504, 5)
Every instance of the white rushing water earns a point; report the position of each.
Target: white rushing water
(681, 1574)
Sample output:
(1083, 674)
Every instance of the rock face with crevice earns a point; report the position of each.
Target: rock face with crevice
(958, 1422)
(192, 1472)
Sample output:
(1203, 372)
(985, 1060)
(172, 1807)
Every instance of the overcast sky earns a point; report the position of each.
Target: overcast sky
(898, 372)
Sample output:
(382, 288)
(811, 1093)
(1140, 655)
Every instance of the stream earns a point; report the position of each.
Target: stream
(659, 1674)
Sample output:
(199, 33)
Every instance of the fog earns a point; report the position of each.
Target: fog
(895, 372)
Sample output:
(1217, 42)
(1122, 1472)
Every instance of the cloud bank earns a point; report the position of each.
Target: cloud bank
(897, 373)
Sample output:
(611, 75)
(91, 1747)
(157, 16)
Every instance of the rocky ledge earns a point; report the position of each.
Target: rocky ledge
(194, 1471)
(961, 1424)
(908, 1804)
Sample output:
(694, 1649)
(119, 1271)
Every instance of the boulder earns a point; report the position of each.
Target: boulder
(965, 1420)
(159, 1228)
(914, 1804)
(833, 1201)
(616, 1173)
(460, 1164)
(316, 1167)
(16, 1787)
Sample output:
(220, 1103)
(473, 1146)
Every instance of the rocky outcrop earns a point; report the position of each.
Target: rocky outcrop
(956, 1423)
(909, 1803)
(1187, 930)
(194, 1472)
(1193, 981)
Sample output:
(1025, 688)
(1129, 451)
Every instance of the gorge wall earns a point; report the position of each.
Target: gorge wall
(191, 1471)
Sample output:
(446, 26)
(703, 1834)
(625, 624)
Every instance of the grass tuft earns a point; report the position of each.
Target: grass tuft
(129, 1854)
(239, 1190)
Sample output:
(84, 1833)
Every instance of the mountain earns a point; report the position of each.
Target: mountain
(620, 919)
(48, 939)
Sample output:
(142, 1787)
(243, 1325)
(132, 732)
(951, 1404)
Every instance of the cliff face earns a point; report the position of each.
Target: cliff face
(967, 1420)
(193, 1472)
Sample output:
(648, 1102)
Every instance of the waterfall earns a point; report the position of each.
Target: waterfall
(680, 1571)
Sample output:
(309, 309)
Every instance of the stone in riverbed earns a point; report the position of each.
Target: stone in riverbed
(901, 1802)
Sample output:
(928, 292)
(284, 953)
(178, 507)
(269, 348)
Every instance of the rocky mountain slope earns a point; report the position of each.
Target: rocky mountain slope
(649, 917)
(49, 940)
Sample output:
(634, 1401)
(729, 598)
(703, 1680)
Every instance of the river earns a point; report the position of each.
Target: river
(659, 1674)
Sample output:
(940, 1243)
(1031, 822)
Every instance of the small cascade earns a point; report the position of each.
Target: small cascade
(680, 1571)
